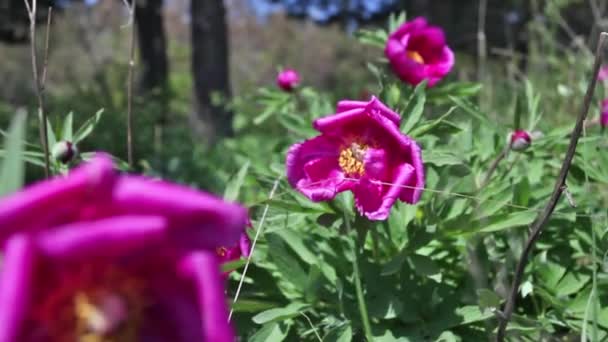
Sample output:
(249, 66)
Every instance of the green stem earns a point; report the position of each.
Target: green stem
(360, 299)
(358, 248)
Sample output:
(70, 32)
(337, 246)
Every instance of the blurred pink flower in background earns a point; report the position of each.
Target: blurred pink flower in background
(417, 51)
(98, 255)
(604, 114)
(288, 79)
(520, 140)
(602, 75)
(360, 149)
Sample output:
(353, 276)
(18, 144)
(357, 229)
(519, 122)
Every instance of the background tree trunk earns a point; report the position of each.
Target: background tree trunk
(152, 44)
(210, 67)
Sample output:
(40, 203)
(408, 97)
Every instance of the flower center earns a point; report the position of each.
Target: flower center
(415, 56)
(221, 251)
(94, 304)
(351, 159)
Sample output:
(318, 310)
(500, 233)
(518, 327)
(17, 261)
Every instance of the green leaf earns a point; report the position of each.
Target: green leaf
(252, 305)
(429, 126)
(341, 334)
(394, 21)
(414, 108)
(296, 243)
(50, 134)
(279, 314)
(571, 283)
(487, 299)
(441, 157)
(423, 265)
(231, 193)
(472, 110)
(68, 125)
(517, 219)
(471, 314)
(11, 173)
(87, 127)
(285, 262)
(275, 332)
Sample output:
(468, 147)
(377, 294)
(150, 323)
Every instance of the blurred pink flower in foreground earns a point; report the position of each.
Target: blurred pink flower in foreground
(602, 75)
(360, 149)
(288, 79)
(417, 51)
(102, 256)
(520, 140)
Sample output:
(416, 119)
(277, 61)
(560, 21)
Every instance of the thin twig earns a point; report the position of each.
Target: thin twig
(38, 83)
(46, 48)
(255, 239)
(312, 326)
(130, 84)
(481, 39)
(544, 216)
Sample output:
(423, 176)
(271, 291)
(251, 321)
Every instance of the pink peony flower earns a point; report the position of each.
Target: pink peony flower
(604, 114)
(417, 51)
(602, 75)
(241, 249)
(360, 149)
(520, 140)
(288, 79)
(97, 255)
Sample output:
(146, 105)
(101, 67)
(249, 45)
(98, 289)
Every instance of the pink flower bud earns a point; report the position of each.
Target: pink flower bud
(520, 140)
(288, 79)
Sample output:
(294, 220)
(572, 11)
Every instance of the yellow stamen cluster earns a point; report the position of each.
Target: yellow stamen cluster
(351, 159)
(104, 315)
(414, 55)
(221, 251)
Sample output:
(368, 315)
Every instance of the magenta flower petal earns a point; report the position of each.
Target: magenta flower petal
(312, 168)
(110, 237)
(330, 122)
(16, 276)
(604, 113)
(374, 200)
(245, 245)
(417, 51)
(602, 75)
(412, 195)
(38, 204)
(203, 220)
(346, 105)
(359, 149)
(414, 25)
(203, 269)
